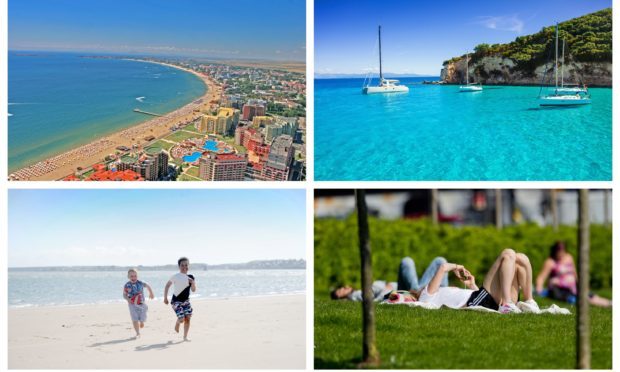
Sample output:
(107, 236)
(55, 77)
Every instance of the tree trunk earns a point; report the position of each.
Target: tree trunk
(606, 205)
(370, 351)
(554, 210)
(498, 209)
(583, 272)
(434, 206)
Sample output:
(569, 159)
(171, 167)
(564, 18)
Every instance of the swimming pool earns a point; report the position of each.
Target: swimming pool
(193, 157)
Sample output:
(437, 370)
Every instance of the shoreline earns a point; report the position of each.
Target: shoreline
(120, 301)
(269, 333)
(61, 165)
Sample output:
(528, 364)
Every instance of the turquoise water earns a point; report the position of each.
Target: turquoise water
(58, 101)
(436, 133)
(193, 157)
(34, 288)
(210, 145)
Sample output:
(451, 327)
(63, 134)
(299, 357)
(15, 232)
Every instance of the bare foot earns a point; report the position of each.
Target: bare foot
(186, 339)
(177, 326)
(141, 324)
(137, 337)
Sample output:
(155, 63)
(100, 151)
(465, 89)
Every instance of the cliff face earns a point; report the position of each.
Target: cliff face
(498, 70)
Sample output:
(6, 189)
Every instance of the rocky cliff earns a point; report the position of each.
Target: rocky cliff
(588, 41)
(499, 70)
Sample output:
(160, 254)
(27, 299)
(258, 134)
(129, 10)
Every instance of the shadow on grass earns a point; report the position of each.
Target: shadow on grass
(320, 363)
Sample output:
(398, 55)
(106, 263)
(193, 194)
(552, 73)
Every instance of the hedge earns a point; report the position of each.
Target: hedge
(336, 252)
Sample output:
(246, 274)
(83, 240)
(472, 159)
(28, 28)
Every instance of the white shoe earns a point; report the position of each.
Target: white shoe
(529, 306)
(508, 308)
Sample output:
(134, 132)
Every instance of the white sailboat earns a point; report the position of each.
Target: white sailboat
(385, 85)
(558, 99)
(568, 89)
(469, 87)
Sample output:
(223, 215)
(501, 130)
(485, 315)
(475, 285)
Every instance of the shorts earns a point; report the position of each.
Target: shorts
(138, 312)
(182, 309)
(482, 298)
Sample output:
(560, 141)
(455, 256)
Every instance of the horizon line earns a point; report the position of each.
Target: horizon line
(240, 59)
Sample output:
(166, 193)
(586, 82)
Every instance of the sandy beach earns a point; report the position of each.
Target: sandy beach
(258, 332)
(62, 165)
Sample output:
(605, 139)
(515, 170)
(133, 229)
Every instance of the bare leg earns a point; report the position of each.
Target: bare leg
(141, 324)
(186, 328)
(524, 275)
(177, 325)
(499, 279)
(136, 326)
(597, 300)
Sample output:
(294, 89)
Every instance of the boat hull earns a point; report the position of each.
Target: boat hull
(564, 101)
(380, 90)
(470, 88)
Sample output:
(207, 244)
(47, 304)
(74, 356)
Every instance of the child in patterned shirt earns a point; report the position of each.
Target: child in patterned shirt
(133, 293)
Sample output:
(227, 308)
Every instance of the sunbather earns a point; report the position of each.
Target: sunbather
(407, 280)
(559, 269)
(509, 273)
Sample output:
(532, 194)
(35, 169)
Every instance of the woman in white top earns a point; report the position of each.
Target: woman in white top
(509, 273)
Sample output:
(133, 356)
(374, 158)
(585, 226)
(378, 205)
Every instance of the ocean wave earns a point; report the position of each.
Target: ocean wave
(10, 114)
(140, 99)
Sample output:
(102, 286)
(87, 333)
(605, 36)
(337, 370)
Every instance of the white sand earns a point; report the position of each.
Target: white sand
(259, 332)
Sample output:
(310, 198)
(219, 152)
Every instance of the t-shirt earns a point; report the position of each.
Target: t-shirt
(378, 291)
(135, 292)
(451, 297)
(181, 285)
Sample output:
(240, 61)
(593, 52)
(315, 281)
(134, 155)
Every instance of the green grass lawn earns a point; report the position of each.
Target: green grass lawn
(193, 171)
(163, 144)
(184, 177)
(446, 339)
(181, 135)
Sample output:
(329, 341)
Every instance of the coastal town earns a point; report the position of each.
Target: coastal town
(250, 125)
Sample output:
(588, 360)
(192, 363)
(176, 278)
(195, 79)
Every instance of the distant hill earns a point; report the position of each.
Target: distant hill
(290, 264)
(523, 61)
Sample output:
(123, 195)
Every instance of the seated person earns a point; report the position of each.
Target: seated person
(509, 273)
(407, 280)
(561, 276)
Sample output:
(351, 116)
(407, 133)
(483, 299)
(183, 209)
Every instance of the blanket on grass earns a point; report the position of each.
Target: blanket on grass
(397, 298)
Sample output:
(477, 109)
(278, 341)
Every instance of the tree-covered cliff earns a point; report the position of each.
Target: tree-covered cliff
(588, 52)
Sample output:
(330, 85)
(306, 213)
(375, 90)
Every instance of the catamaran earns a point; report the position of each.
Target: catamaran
(469, 87)
(385, 85)
(562, 99)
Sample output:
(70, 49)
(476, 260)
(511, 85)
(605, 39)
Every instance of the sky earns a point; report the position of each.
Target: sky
(417, 36)
(239, 29)
(154, 226)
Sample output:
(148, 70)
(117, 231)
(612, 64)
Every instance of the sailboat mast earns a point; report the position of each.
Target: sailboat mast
(380, 67)
(467, 68)
(556, 55)
(562, 73)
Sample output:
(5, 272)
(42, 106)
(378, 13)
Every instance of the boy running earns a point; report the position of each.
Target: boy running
(133, 293)
(180, 298)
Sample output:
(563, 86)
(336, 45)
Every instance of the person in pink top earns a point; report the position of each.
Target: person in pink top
(561, 276)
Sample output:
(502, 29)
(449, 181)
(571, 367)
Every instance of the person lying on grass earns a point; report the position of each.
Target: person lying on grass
(407, 280)
(559, 268)
(509, 273)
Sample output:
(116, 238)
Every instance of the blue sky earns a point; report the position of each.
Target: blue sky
(153, 227)
(417, 36)
(243, 29)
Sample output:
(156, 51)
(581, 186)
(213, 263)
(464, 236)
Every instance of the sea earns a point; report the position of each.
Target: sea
(58, 101)
(63, 288)
(435, 132)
